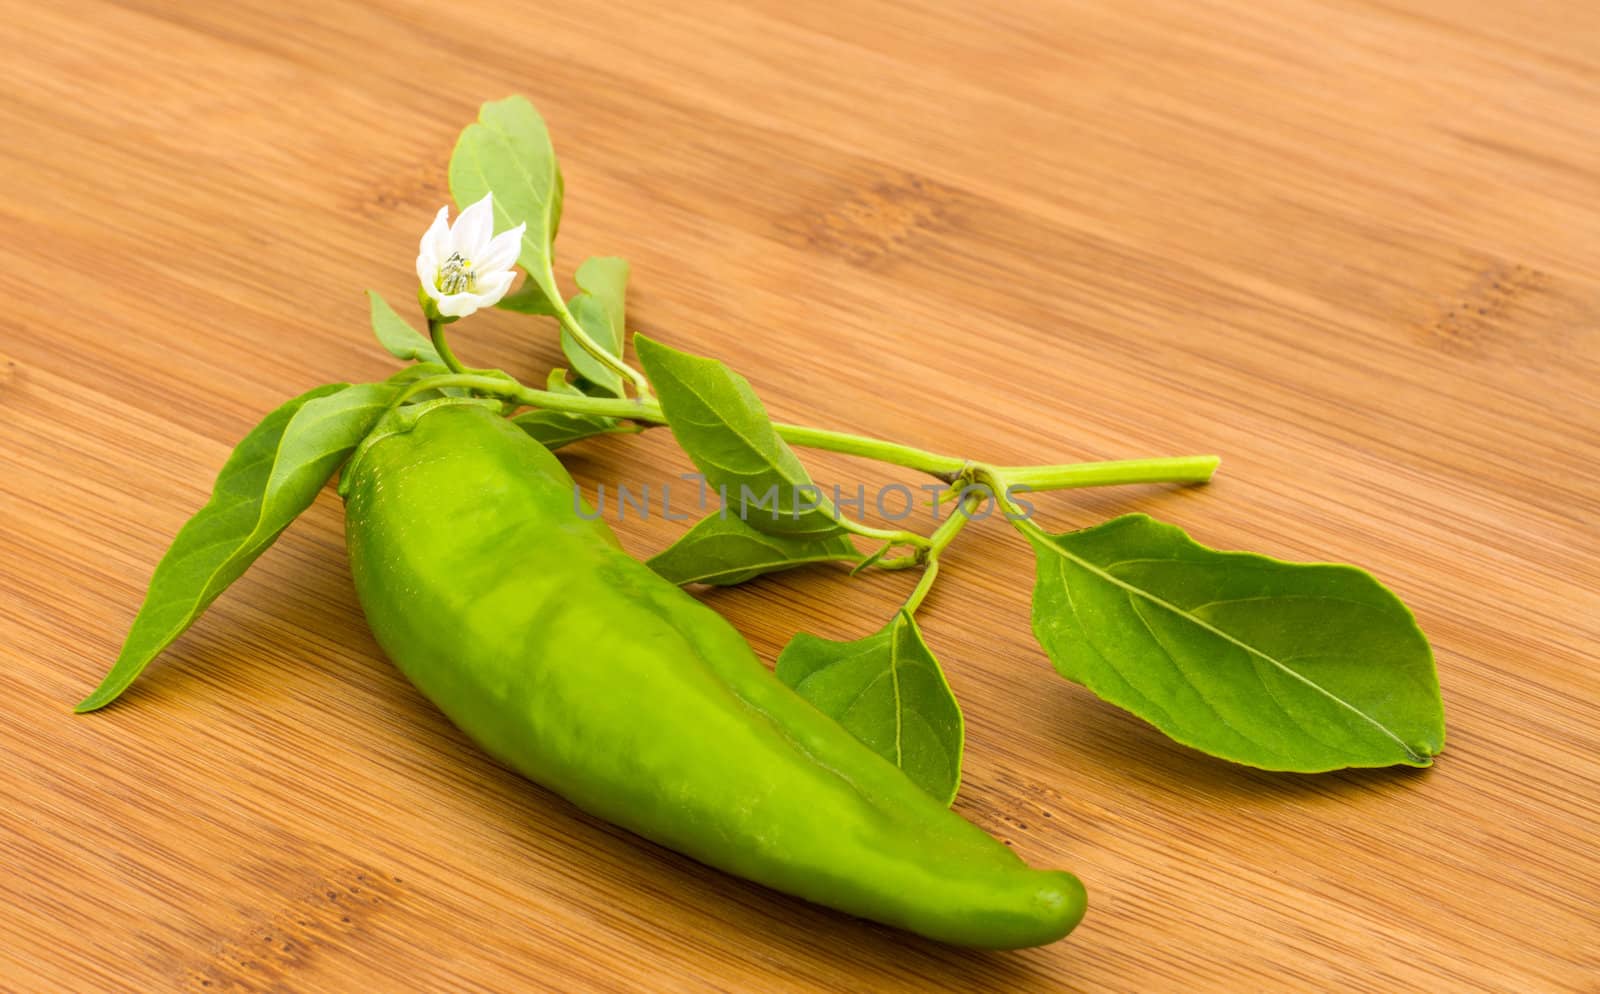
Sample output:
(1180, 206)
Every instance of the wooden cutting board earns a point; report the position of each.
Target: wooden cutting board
(1348, 245)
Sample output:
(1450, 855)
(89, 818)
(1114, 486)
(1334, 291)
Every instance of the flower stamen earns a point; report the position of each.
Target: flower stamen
(456, 275)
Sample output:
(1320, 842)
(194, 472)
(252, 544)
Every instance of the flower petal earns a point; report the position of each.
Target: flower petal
(473, 229)
(428, 273)
(494, 286)
(457, 305)
(436, 240)
(501, 252)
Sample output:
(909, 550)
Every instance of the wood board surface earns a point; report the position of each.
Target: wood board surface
(1348, 245)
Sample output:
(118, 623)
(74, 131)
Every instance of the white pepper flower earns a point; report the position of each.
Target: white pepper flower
(465, 266)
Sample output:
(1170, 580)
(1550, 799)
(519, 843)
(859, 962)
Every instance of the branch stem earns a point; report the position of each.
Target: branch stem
(645, 410)
(930, 572)
(1182, 469)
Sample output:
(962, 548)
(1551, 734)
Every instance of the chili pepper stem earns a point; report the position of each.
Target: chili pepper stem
(645, 410)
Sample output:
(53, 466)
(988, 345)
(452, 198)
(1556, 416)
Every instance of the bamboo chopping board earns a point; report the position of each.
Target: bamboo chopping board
(1349, 246)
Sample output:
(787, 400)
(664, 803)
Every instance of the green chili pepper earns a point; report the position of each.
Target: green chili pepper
(578, 667)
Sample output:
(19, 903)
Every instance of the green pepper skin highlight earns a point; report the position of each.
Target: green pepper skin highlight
(577, 666)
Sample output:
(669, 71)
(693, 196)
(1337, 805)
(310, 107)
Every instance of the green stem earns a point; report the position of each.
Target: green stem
(1002, 497)
(951, 526)
(647, 410)
(937, 542)
(888, 536)
(925, 584)
(1182, 469)
(871, 448)
(641, 386)
(436, 332)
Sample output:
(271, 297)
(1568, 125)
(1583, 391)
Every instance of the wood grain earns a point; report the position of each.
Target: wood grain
(1347, 244)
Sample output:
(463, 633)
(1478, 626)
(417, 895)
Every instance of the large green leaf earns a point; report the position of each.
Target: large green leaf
(273, 475)
(888, 691)
(721, 424)
(1284, 666)
(599, 309)
(397, 336)
(723, 551)
(507, 152)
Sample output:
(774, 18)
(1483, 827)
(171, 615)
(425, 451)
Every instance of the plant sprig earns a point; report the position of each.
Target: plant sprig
(1179, 686)
(1285, 666)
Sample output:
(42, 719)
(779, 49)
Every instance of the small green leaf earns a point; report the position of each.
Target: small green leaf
(599, 309)
(888, 691)
(556, 382)
(872, 559)
(507, 152)
(273, 475)
(529, 298)
(1284, 666)
(417, 371)
(420, 371)
(725, 551)
(396, 335)
(721, 424)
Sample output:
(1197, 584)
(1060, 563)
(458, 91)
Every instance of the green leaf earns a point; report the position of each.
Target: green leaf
(556, 381)
(507, 152)
(888, 691)
(872, 559)
(529, 298)
(599, 309)
(397, 336)
(725, 551)
(721, 424)
(273, 475)
(1285, 666)
(417, 371)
